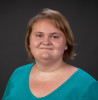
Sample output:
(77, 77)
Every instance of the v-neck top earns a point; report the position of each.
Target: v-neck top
(80, 86)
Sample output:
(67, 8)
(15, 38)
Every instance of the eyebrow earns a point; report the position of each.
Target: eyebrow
(38, 32)
(54, 33)
(49, 33)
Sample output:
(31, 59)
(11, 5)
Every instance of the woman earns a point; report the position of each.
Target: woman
(49, 43)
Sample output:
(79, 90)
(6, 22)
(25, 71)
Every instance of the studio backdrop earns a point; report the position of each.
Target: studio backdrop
(14, 16)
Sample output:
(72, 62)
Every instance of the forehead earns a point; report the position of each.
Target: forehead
(45, 25)
(41, 22)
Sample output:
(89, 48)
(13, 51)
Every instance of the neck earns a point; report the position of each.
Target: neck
(47, 66)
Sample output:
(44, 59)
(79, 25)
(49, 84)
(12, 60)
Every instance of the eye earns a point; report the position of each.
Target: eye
(55, 37)
(39, 35)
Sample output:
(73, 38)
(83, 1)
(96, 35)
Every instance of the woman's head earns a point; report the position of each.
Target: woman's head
(60, 23)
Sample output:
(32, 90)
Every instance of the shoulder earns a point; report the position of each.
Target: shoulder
(18, 76)
(22, 70)
(85, 77)
(24, 67)
(83, 82)
(87, 84)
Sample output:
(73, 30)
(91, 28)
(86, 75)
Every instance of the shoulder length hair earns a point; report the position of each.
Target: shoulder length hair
(61, 23)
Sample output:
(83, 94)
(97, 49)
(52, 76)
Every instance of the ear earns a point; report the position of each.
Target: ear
(66, 47)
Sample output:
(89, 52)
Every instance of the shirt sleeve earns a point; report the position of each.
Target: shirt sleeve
(9, 86)
(92, 92)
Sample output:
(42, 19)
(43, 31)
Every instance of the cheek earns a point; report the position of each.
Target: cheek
(34, 43)
(61, 45)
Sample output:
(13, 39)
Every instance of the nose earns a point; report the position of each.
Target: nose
(46, 41)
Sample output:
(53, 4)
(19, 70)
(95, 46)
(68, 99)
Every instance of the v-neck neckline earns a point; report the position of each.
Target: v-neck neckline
(54, 91)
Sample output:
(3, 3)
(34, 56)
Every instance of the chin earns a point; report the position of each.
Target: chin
(46, 58)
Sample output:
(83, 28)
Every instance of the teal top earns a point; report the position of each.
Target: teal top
(80, 86)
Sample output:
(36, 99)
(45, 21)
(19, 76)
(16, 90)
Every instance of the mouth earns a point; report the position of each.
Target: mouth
(46, 48)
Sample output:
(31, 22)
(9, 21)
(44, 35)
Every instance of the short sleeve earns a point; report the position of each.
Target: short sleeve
(92, 92)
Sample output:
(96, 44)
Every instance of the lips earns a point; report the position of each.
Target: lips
(46, 48)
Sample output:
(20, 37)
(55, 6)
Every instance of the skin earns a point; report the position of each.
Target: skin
(47, 44)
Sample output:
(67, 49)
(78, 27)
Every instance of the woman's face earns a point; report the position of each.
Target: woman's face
(46, 41)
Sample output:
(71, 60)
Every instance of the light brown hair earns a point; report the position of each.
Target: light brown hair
(61, 23)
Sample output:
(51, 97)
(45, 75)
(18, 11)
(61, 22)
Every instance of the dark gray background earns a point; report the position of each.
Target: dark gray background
(14, 16)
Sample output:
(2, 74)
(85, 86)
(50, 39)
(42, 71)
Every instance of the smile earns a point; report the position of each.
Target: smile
(47, 48)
